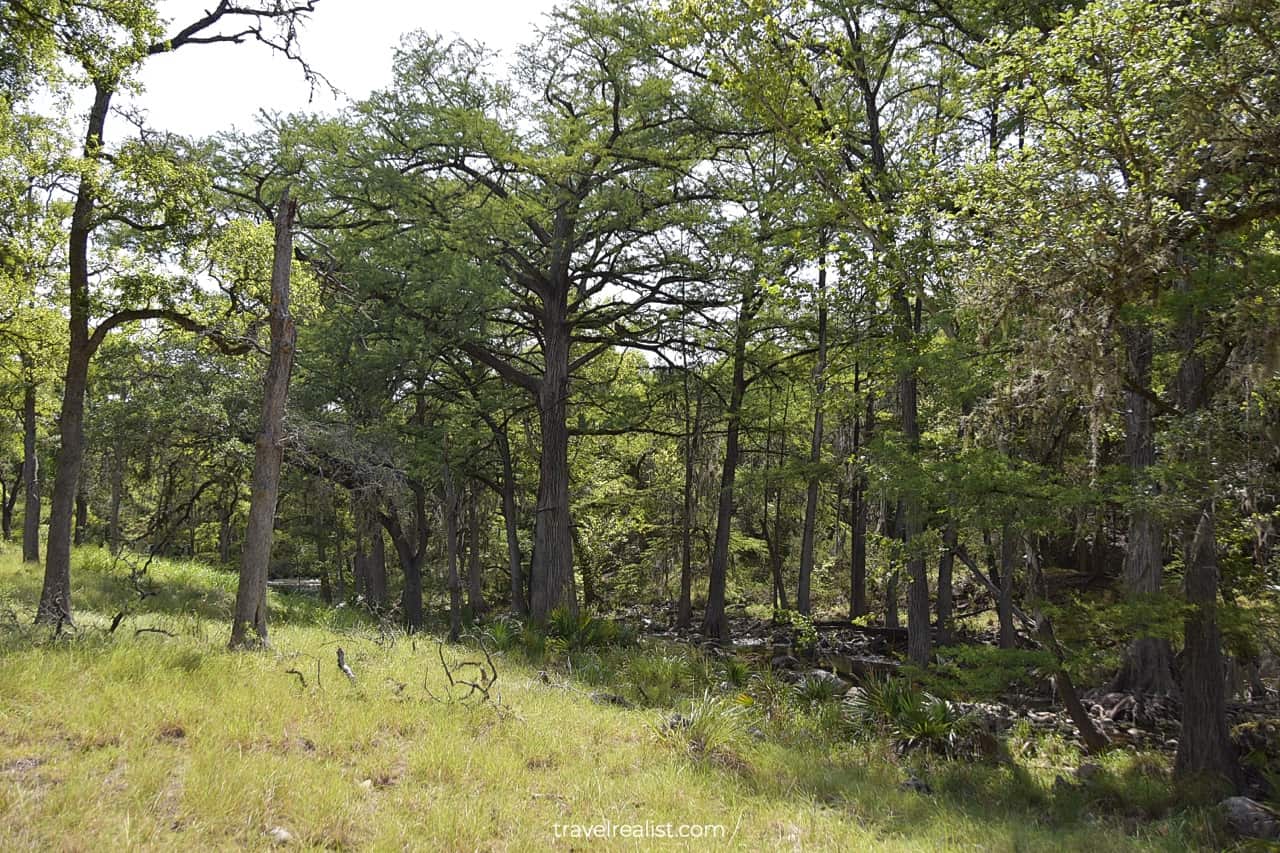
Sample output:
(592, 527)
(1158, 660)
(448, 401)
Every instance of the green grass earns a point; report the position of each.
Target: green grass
(144, 741)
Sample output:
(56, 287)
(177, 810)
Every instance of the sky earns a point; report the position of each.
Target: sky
(202, 89)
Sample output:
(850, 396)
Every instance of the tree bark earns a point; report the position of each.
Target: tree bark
(249, 623)
(1204, 744)
(684, 609)
(1004, 600)
(1148, 662)
(815, 451)
(713, 621)
(552, 570)
(510, 521)
(30, 468)
(454, 582)
(375, 558)
(859, 508)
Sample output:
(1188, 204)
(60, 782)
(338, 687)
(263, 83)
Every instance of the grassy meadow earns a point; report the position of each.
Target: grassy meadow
(155, 737)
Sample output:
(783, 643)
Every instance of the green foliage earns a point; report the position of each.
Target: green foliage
(802, 630)
(659, 677)
(711, 726)
(984, 672)
(912, 717)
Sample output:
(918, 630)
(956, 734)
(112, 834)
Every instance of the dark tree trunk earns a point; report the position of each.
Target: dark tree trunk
(713, 620)
(82, 516)
(552, 579)
(8, 500)
(30, 469)
(249, 623)
(374, 568)
(946, 565)
(453, 581)
(919, 641)
(815, 451)
(1148, 663)
(1204, 745)
(411, 553)
(519, 605)
(859, 508)
(684, 609)
(1004, 601)
(475, 585)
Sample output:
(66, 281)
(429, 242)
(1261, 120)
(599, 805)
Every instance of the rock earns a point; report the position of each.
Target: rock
(280, 835)
(611, 699)
(675, 722)
(840, 686)
(784, 662)
(914, 784)
(1088, 772)
(1250, 819)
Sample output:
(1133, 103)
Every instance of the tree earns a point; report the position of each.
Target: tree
(251, 594)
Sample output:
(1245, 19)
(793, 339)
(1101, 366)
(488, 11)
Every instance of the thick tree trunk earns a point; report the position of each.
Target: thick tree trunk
(30, 470)
(374, 567)
(249, 622)
(1204, 744)
(815, 451)
(713, 620)
(1148, 663)
(411, 556)
(552, 579)
(919, 641)
(475, 579)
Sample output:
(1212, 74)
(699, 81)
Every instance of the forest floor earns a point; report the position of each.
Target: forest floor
(154, 736)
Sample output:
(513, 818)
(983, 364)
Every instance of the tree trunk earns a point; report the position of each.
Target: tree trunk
(519, 605)
(1204, 744)
(946, 565)
(55, 594)
(453, 581)
(815, 450)
(1148, 663)
(30, 469)
(411, 556)
(684, 609)
(82, 515)
(374, 567)
(713, 620)
(552, 579)
(475, 585)
(859, 508)
(249, 623)
(1004, 601)
(919, 641)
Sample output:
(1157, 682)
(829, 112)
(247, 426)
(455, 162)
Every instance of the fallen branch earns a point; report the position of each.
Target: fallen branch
(301, 678)
(153, 631)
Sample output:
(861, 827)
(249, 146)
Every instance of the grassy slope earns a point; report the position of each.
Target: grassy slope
(145, 741)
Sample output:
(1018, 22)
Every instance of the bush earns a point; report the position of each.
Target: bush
(712, 725)
(912, 717)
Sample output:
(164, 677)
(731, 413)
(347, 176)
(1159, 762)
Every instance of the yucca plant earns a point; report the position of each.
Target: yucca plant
(711, 725)
(812, 690)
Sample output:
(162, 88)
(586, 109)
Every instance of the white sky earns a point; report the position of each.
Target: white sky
(202, 89)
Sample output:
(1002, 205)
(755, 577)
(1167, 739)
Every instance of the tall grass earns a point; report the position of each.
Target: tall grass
(137, 739)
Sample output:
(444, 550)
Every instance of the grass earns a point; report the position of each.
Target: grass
(146, 741)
